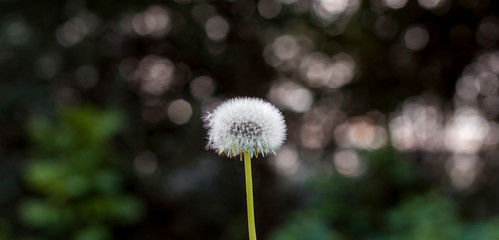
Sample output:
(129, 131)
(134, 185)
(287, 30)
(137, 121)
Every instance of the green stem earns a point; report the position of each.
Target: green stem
(249, 197)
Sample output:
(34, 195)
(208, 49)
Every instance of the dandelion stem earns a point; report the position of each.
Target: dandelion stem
(249, 196)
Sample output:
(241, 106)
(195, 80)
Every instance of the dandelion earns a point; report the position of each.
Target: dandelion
(245, 127)
(242, 125)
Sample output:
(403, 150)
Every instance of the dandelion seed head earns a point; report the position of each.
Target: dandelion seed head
(245, 124)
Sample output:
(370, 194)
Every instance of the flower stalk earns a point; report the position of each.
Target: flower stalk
(249, 196)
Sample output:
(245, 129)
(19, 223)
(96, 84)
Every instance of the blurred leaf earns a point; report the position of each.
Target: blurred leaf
(91, 126)
(430, 216)
(39, 213)
(107, 181)
(74, 176)
(306, 227)
(93, 233)
(5, 230)
(484, 230)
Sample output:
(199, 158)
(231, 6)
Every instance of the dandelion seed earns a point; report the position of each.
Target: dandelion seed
(241, 125)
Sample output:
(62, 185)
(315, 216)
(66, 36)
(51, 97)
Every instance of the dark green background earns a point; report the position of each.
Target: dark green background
(77, 120)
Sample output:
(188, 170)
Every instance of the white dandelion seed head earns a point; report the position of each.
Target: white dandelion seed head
(245, 124)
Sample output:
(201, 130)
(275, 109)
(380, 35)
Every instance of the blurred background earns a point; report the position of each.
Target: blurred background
(391, 107)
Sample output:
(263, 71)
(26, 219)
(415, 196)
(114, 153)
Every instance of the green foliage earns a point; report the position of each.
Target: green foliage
(388, 202)
(430, 216)
(306, 227)
(4, 230)
(78, 191)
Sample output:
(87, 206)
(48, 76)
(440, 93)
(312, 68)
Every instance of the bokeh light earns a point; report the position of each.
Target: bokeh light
(217, 28)
(179, 111)
(348, 163)
(290, 95)
(154, 21)
(395, 4)
(416, 37)
(146, 163)
(153, 75)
